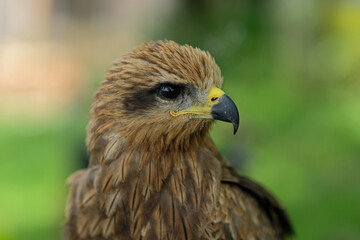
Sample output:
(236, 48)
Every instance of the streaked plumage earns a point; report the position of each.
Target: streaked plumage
(154, 172)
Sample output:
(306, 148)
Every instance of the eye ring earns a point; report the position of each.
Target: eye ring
(170, 91)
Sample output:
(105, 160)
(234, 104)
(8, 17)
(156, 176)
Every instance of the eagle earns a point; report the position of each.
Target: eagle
(154, 172)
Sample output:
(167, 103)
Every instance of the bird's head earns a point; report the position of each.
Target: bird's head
(160, 92)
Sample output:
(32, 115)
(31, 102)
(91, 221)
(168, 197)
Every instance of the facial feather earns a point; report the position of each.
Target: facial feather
(126, 102)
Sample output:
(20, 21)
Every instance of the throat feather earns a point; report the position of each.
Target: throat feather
(153, 185)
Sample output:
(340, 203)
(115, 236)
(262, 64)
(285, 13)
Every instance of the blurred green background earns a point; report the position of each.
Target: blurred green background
(292, 67)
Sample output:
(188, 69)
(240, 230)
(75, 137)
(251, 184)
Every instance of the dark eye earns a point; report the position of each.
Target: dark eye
(170, 91)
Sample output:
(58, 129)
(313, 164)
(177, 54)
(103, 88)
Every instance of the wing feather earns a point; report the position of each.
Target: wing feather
(249, 210)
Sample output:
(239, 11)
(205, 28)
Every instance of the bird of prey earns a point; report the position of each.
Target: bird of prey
(154, 172)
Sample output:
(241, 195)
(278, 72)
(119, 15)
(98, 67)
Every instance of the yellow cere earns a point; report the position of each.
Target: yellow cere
(214, 97)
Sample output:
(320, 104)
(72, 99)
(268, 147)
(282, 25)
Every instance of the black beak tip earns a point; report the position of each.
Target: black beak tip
(236, 127)
(235, 121)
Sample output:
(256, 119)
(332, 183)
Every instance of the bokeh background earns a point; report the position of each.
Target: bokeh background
(292, 67)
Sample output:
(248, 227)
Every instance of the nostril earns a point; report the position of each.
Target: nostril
(214, 99)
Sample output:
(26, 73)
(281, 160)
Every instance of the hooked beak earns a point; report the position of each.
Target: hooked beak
(220, 107)
(226, 111)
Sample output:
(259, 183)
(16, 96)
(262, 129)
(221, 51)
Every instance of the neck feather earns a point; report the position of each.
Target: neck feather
(150, 184)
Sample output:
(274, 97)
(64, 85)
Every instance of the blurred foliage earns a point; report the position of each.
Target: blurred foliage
(292, 67)
(36, 159)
